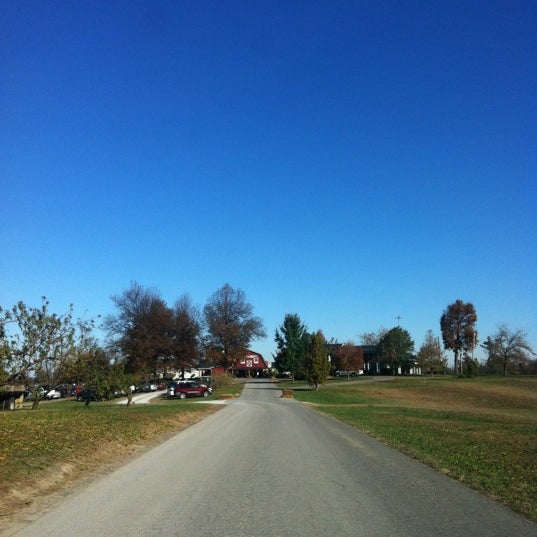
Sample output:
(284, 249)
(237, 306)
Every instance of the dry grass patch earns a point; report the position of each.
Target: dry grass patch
(45, 450)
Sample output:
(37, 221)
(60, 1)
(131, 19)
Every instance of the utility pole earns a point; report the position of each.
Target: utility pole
(398, 319)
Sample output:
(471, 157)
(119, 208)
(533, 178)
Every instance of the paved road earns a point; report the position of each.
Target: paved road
(266, 466)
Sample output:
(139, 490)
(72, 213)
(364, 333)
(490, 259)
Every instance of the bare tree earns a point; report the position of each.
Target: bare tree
(508, 350)
(231, 325)
(373, 338)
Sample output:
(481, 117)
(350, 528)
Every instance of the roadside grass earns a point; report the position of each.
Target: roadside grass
(234, 389)
(482, 432)
(44, 450)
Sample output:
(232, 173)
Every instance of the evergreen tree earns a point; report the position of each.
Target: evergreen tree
(317, 366)
(292, 340)
(396, 348)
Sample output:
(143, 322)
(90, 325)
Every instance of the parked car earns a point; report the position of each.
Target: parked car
(54, 394)
(149, 387)
(88, 394)
(188, 388)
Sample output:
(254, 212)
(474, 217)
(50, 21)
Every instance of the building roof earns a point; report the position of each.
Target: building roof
(250, 361)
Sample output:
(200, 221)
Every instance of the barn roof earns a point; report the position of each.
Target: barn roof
(250, 361)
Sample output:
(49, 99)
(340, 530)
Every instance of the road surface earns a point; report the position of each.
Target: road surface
(270, 467)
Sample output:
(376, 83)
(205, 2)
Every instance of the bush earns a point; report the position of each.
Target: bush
(221, 381)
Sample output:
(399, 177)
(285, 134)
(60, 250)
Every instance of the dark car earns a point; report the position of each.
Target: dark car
(188, 388)
(88, 394)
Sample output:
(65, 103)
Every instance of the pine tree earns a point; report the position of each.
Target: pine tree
(317, 366)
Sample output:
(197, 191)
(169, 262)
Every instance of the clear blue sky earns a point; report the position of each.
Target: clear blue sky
(347, 161)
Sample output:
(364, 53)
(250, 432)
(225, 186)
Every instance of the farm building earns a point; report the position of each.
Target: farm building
(252, 364)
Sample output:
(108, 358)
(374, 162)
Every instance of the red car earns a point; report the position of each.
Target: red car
(188, 388)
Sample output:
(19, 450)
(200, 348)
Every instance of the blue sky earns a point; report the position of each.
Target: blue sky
(351, 162)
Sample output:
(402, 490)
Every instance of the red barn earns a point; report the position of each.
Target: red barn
(252, 364)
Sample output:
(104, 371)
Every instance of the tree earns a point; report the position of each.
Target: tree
(348, 357)
(41, 339)
(141, 330)
(40, 343)
(508, 350)
(458, 331)
(396, 348)
(316, 366)
(186, 333)
(231, 325)
(291, 339)
(373, 338)
(431, 357)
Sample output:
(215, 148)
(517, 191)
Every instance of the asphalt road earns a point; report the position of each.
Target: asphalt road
(266, 466)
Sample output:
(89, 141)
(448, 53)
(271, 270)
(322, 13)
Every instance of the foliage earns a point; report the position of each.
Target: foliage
(231, 325)
(396, 348)
(470, 367)
(291, 339)
(316, 366)
(431, 357)
(508, 350)
(346, 357)
(480, 431)
(186, 333)
(458, 330)
(373, 338)
(41, 341)
(141, 329)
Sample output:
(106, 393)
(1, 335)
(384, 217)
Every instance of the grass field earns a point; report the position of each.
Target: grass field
(44, 450)
(482, 432)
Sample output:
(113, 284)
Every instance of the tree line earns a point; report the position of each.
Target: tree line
(145, 335)
(508, 351)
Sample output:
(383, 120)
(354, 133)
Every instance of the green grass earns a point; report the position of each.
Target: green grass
(41, 450)
(480, 431)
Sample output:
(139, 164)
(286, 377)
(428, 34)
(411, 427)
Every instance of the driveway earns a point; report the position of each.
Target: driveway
(267, 466)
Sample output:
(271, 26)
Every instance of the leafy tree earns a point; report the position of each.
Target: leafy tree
(291, 339)
(141, 329)
(84, 344)
(40, 342)
(396, 348)
(348, 357)
(96, 372)
(431, 357)
(458, 330)
(508, 350)
(470, 366)
(316, 366)
(186, 333)
(231, 325)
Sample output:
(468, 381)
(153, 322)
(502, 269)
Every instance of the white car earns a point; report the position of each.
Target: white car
(54, 394)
